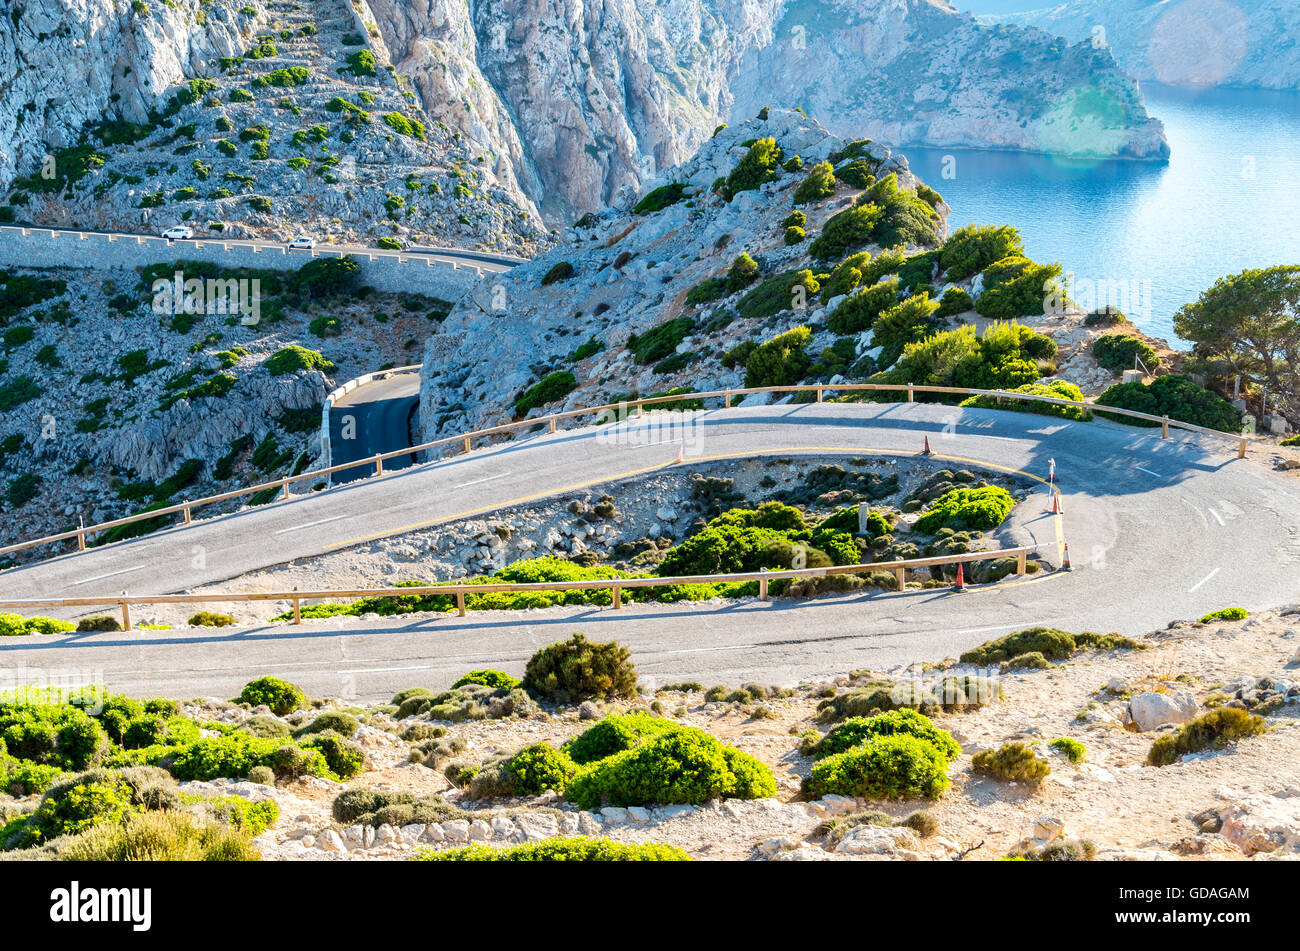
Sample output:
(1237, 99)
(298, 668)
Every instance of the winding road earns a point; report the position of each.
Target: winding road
(1157, 529)
(376, 417)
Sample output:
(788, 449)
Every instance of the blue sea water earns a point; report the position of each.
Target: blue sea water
(1228, 200)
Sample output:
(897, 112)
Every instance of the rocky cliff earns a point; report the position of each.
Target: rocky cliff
(266, 120)
(1187, 42)
(584, 99)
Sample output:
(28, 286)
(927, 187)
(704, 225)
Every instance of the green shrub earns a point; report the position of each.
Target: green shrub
(973, 248)
(1210, 731)
(950, 694)
(883, 767)
(1120, 352)
(293, 358)
(344, 724)
(344, 758)
(1225, 614)
(535, 769)
(1176, 397)
(577, 669)
(1003, 357)
(1058, 389)
(614, 734)
(967, 510)
(362, 63)
(495, 679)
(281, 696)
(284, 78)
(781, 361)
(819, 184)
(210, 619)
(955, 301)
(15, 625)
(262, 775)
(661, 340)
(558, 272)
(786, 291)
(682, 766)
(1052, 643)
(1074, 751)
(552, 387)
(99, 622)
(794, 235)
(857, 730)
(860, 311)
(743, 272)
(858, 173)
(80, 802)
(160, 837)
(847, 229)
(660, 198)
(759, 165)
(579, 849)
(1016, 287)
(1012, 762)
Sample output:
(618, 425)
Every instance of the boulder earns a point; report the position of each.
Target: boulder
(1148, 711)
(877, 840)
(1263, 823)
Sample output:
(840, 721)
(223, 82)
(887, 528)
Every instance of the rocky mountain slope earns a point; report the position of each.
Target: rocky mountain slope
(679, 291)
(265, 120)
(499, 105)
(1187, 42)
(587, 100)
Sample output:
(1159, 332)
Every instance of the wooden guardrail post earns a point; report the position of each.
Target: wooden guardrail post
(284, 494)
(728, 403)
(81, 539)
(762, 586)
(618, 597)
(297, 609)
(552, 424)
(821, 392)
(1164, 428)
(467, 444)
(188, 513)
(460, 603)
(1241, 448)
(379, 464)
(911, 394)
(901, 575)
(1020, 563)
(126, 613)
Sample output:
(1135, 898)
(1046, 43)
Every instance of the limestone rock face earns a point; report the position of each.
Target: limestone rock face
(1187, 42)
(589, 101)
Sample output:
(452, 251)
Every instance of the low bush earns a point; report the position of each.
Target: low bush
(530, 772)
(1074, 751)
(967, 510)
(857, 730)
(781, 361)
(1120, 352)
(373, 807)
(281, 696)
(819, 184)
(578, 849)
(1176, 397)
(1052, 643)
(210, 619)
(851, 228)
(1225, 614)
(860, 311)
(955, 301)
(1033, 660)
(973, 248)
(660, 198)
(682, 766)
(1062, 850)
(496, 679)
(884, 767)
(344, 724)
(948, 694)
(160, 837)
(15, 625)
(344, 758)
(614, 734)
(577, 669)
(1016, 287)
(1211, 731)
(293, 358)
(561, 271)
(99, 622)
(1057, 389)
(789, 290)
(759, 165)
(552, 387)
(1012, 762)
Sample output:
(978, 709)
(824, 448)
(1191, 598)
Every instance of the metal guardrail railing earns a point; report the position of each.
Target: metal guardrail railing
(616, 586)
(551, 421)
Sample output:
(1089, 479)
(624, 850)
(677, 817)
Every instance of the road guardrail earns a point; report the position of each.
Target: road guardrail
(551, 422)
(616, 586)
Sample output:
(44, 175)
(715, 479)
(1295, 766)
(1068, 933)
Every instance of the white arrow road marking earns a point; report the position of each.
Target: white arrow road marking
(332, 518)
(1217, 517)
(1203, 580)
(102, 577)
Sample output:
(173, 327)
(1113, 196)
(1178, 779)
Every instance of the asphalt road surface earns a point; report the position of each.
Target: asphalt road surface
(1158, 530)
(374, 418)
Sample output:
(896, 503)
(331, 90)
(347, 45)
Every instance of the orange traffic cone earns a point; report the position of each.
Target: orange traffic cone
(681, 452)
(926, 451)
(961, 579)
(1065, 562)
(1056, 505)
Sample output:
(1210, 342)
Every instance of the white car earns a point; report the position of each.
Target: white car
(304, 242)
(179, 232)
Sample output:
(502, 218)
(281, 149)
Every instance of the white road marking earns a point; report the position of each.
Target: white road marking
(1217, 517)
(1149, 472)
(102, 577)
(385, 670)
(1203, 580)
(709, 650)
(332, 518)
(499, 475)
